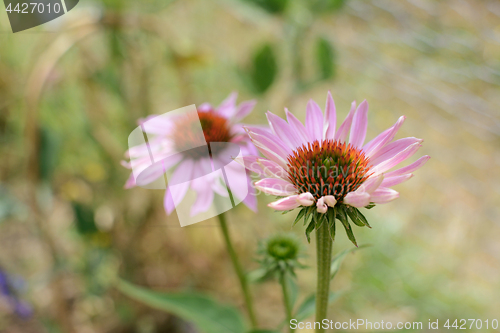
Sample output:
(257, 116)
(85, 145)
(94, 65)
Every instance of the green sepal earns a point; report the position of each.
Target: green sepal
(307, 215)
(331, 222)
(370, 206)
(357, 217)
(299, 216)
(342, 217)
(319, 218)
(309, 229)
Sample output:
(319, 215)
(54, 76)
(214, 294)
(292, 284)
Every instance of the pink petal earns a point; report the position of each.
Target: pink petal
(287, 203)
(395, 180)
(275, 186)
(372, 147)
(244, 109)
(284, 131)
(228, 106)
(357, 199)
(272, 169)
(270, 146)
(410, 168)
(383, 195)
(395, 160)
(299, 128)
(251, 163)
(359, 125)
(321, 206)
(330, 117)
(314, 121)
(392, 149)
(372, 183)
(305, 199)
(341, 134)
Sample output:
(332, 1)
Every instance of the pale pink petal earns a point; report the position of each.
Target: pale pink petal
(314, 121)
(357, 199)
(383, 195)
(299, 128)
(244, 109)
(204, 196)
(272, 169)
(251, 163)
(275, 186)
(284, 131)
(410, 168)
(396, 159)
(251, 199)
(330, 117)
(181, 181)
(321, 206)
(393, 149)
(372, 147)
(305, 199)
(205, 107)
(359, 125)
(228, 106)
(287, 203)
(341, 134)
(155, 124)
(395, 180)
(330, 200)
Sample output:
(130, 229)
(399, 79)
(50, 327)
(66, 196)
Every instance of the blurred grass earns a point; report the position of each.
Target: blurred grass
(435, 250)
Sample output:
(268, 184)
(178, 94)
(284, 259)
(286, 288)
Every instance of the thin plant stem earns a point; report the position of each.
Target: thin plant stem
(239, 270)
(286, 300)
(324, 258)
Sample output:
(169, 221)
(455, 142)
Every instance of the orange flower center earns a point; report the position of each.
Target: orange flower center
(186, 134)
(328, 168)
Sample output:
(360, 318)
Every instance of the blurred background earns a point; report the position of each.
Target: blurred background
(72, 90)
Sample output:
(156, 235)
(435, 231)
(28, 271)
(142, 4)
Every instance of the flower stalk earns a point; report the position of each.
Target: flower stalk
(239, 270)
(324, 257)
(286, 300)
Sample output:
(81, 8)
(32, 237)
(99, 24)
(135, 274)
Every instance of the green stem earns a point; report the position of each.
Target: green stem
(286, 300)
(324, 258)
(239, 271)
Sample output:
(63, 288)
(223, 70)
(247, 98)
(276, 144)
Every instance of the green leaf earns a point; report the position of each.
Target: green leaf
(327, 6)
(325, 58)
(337, 260)
(309, 229)
(264, 69)
(271, 6)
(207, 314)
(342, 216)
(308, 306)
(299, 216)
(48, 153)
(84, 218)
(258, 275)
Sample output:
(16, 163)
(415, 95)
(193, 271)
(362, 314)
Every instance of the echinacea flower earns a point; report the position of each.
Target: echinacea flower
(174, 138)
(328, 171)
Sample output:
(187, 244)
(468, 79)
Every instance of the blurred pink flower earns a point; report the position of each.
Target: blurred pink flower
(219, 124)
(318, 164)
